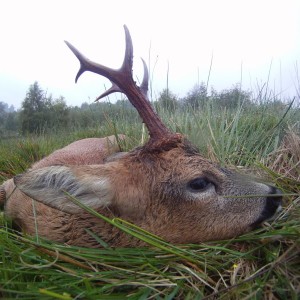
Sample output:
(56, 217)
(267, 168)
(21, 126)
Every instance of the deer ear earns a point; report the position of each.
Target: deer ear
(51, 186)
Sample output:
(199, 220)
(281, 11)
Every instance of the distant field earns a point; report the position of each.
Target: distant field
(263, 264)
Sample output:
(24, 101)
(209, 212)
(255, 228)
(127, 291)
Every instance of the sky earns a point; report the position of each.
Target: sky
(253, 43)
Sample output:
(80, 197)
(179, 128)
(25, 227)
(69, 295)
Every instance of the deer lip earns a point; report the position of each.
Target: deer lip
(272, 206)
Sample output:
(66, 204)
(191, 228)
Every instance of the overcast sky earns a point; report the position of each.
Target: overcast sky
(246, 39)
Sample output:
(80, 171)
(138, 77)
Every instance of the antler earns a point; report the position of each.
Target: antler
(122, 81)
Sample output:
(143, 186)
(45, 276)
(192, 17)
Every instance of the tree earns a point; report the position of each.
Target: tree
(167, 100)
(33, 109)
(8, 119)
(41, 112)
(58, 113)
(2, 112)
(197, 97)
(12, 122)
(231, 98)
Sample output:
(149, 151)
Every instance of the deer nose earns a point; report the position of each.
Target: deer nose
(272, 205)
(274, 201)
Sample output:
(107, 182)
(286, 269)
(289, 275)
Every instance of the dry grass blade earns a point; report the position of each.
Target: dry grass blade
(286, 159)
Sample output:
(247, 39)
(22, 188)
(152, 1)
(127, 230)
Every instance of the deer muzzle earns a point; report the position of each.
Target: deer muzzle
(272, 206)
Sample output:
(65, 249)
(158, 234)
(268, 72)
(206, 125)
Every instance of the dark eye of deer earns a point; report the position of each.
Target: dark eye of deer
(199, 184)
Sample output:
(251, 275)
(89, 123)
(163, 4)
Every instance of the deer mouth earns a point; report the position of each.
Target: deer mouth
(272, 206)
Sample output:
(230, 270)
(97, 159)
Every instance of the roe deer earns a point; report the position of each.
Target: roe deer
(165, 186)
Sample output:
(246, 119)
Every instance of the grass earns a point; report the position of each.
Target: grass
(262, 264)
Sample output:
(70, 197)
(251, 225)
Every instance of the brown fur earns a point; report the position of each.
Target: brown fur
(148, 187)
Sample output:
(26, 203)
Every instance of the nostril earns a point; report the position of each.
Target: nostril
(273, 203)
(275, 198)
(276, 191)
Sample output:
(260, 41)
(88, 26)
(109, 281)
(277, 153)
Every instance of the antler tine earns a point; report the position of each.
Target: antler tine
(122, 81)
(128, 58)
(144, 85)
(114, 88)
(126, 66)
(87, 65)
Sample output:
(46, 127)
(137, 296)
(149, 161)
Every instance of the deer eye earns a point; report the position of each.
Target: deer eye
(199, 184)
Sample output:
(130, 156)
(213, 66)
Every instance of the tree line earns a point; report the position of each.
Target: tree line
(41, 113)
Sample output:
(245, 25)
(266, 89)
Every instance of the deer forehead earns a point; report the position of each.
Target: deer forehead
(186, 164)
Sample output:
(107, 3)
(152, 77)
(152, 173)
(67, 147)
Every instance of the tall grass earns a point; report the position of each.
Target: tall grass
(263, 264)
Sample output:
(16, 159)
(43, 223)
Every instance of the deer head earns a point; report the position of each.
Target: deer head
(165, 186)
